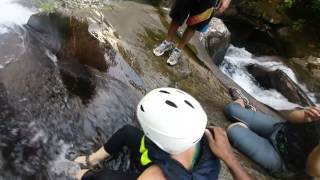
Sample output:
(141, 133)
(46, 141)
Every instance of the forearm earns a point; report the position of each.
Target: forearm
(236, 170)
(294, 116)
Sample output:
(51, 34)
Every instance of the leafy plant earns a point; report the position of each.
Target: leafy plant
(46, 6)
(298, 24)
(288, 3)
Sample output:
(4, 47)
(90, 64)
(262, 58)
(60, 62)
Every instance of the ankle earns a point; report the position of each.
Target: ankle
(93, 160)
(241, 102)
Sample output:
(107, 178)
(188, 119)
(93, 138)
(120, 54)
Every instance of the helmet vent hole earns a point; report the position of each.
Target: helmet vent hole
(170, 103)
(187, 102)
(141, 107)
(166, 92)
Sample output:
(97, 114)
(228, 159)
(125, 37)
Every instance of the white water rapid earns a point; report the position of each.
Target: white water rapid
(12, 13)
(235, 64)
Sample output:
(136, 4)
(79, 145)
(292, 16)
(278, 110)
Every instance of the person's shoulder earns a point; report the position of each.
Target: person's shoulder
(152, 172)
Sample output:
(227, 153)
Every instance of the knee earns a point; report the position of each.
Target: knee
(230, 109)
(128, 130)
(234, 130)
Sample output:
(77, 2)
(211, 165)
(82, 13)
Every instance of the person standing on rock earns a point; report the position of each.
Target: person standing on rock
(173, 143)
(198, 14)
(289, 147)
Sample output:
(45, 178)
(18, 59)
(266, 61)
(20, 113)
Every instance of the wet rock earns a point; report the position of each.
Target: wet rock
(56, 100)
(313, 66)
(256, 40)
(281, 82)
(69, 38)
(307, 70)
(212, 44)
(216, 40)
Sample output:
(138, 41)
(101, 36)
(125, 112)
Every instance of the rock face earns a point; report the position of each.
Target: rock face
(308, 72)
(313, 66)
(262, 24)
(65, 92)
(216, 40)
(281, 82)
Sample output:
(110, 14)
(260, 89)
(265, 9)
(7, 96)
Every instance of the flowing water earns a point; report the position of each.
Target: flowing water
(235, 64)
(52, 109)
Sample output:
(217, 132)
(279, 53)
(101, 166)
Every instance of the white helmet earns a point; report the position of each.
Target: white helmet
(172, 119)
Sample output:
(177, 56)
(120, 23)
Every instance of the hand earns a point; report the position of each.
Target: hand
(219, 143)
(312, 113)
(224, 4)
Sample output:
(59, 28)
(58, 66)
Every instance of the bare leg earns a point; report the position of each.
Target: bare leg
(94, 158)
(240, 101)
(187, 35)
(172, 31)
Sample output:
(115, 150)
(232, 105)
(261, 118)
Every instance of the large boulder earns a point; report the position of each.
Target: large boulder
(280, 81)
(313, 66)
(216, 40)
(211, 45)
(307, 69)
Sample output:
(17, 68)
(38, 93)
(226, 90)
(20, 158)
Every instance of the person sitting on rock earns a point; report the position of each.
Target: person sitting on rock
(198, 14)
(172, 144)
(287, 147)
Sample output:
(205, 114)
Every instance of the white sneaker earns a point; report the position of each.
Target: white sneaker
(163, 47)
(174, 57)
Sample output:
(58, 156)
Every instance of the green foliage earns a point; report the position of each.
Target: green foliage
(298, 25)
(46, 6)
(315, 5)
(288, 3)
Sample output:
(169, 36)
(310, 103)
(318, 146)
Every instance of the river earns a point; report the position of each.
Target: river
(235, 64)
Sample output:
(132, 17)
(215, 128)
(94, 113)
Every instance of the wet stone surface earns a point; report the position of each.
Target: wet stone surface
(55, 103)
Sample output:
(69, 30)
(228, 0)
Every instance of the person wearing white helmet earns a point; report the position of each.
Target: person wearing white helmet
(172, 144)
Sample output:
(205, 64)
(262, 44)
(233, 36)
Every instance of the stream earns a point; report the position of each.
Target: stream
(234, 65)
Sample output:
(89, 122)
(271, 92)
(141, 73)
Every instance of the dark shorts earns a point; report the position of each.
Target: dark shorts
(109, 175)
(196, 13)
(127, 136)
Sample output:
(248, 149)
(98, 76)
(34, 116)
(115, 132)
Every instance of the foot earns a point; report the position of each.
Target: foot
(250, 107)
(85, 161)
(236, 94)
(163, 47)
(174, 57)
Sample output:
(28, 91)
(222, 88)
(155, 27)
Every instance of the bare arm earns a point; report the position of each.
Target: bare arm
(313, 163)
(220, 146)
(152, 172)
(308, 114)
(224, 4)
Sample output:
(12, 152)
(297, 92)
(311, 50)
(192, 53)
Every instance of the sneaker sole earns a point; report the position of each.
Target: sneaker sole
(157, 54)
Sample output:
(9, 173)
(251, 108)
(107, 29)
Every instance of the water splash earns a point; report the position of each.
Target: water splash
(13, 13)
(235, 64)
